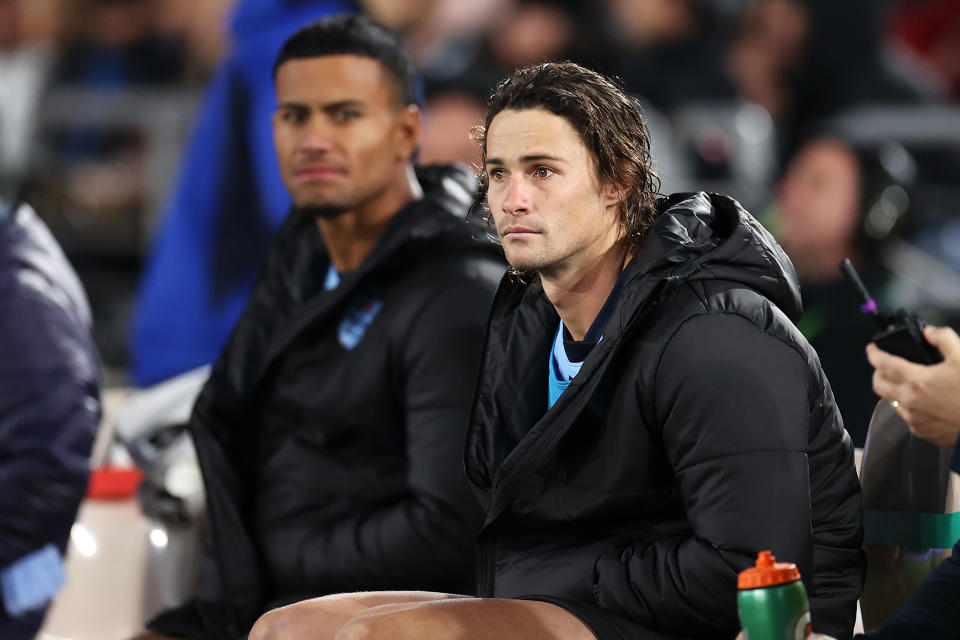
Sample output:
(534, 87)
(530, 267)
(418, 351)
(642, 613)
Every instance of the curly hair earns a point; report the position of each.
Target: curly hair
(608, 121)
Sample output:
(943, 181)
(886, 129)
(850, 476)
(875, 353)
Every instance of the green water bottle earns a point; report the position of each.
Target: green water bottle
(772, 601)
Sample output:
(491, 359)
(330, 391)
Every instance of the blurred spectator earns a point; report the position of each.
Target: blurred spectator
(533, 31)
(444, 39)
(822, 208)
(228, 201)
(769, 48)
(513, 33)
(109, 45)
(541, 30)
(805, 60)
(449, 117)
(115, 43)
(673, 50)
(198, 24)
(929, 30)
(49, 413)
(441, 36)
(26, 32)
(91, 174)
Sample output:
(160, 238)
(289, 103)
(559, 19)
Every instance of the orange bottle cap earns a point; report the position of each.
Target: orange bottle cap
(767, 573)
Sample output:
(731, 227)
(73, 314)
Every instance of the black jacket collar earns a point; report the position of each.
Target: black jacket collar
(439, 217)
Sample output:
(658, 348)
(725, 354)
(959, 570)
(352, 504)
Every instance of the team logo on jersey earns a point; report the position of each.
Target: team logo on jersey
(355, 322)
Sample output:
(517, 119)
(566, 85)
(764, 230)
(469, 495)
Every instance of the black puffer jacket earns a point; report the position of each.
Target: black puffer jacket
(330, 469)
(698, 432)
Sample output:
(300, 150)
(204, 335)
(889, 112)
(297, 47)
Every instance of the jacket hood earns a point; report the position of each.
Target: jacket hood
(708, 236)
(694, 237)
(442, 214)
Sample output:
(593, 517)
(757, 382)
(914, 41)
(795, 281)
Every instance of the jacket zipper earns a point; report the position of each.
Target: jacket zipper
(539, 451)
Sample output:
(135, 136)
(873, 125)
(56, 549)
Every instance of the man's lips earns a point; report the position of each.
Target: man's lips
(517, 230)
(317, 171)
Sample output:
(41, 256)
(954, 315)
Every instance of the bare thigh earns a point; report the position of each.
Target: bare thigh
(465, 619)
(321, 618)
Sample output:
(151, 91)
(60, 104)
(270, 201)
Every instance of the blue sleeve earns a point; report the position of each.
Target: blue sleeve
(31, 582)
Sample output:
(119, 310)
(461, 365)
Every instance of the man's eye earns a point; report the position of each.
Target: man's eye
(293, 116)
(543, 172)
(497, 174)
(345, 115)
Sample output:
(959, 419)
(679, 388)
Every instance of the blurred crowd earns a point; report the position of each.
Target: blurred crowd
(834, 122)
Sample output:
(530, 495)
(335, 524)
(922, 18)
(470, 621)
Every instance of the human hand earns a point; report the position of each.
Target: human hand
(927, 397)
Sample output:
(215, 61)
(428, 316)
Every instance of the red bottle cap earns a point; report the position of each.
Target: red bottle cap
(114, 483)
(767, 573)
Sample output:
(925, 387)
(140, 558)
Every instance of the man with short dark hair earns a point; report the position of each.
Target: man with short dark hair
(330, 434)
(647, 417)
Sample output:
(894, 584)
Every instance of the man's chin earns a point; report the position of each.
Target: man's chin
(524, 264)
(523, 258)
(314, 211)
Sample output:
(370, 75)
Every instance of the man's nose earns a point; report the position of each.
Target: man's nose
(317, 135)
(517, 198)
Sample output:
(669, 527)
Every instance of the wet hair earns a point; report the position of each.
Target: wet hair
(610, 124)
(352, 34)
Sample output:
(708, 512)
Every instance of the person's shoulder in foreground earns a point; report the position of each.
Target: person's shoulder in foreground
(49, 414)
(647, 417)
(330, 434)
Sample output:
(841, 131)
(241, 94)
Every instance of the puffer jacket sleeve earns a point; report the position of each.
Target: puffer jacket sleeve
(427, 538)
(228, 594)
(49, 413)
(229, 591)
(732, 403)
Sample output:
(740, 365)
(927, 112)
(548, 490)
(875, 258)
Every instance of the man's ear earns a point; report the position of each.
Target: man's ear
(611, 193)
(409, 126)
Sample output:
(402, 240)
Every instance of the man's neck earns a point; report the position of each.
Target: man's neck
(578, 295)
(350, 236)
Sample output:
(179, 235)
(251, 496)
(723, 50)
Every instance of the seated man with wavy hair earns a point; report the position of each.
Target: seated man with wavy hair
(647, 416)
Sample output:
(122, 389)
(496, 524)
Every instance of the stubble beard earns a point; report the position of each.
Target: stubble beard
(331, 211)
(528, 262)
(525, 259)
(316, 211)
